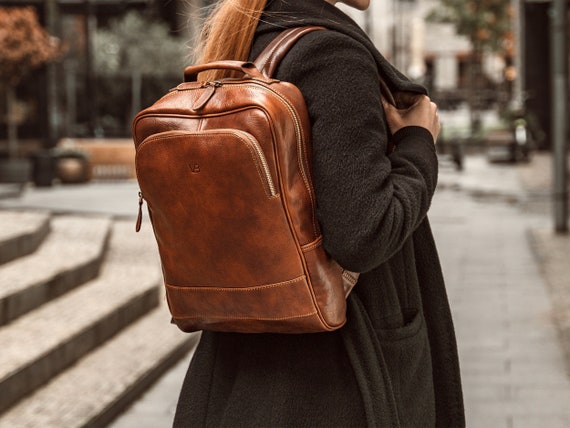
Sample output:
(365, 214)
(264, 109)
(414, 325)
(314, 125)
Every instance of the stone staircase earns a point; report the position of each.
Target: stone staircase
(83, 325)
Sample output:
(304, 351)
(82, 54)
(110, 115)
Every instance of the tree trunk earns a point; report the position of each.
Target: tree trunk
(136, 94)
(12, 122)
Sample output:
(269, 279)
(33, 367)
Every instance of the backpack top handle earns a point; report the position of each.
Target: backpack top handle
(248, 68)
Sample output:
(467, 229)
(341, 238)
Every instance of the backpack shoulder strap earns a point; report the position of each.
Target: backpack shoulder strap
(272, 55)
(269, 59)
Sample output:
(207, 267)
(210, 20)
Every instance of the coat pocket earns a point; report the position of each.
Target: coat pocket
(407, 355)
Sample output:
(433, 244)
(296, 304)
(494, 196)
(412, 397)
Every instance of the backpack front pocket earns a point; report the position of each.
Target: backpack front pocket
(210, 152)
(215, 210)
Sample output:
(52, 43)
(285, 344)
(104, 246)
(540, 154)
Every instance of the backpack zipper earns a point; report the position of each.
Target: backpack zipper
(140, 214)
(300, 148)
(215, 84)
(303, 162)
(261, 157)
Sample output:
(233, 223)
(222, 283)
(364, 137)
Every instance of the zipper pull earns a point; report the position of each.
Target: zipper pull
(140, 215)
(206, 95)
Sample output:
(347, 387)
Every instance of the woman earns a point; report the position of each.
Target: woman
(394, 364)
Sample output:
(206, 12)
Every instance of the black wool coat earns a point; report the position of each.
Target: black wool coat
(394, 364)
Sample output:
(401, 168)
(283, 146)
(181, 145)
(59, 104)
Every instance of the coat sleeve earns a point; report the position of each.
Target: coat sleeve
(368, 203)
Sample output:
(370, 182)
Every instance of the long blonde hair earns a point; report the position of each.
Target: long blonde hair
(228, 33)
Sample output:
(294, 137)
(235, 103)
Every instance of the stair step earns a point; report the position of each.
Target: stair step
(21, 233)
(45, 341)
(71, 255)
(100, 386)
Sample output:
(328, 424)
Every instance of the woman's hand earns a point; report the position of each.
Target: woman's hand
(422, 112)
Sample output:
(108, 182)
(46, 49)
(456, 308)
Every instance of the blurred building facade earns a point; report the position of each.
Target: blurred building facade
(80, 102)
(72, 98)
(434, 54)
(428, 51)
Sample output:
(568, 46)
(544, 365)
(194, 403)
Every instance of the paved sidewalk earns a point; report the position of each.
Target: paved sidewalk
(513, 367)
(501, 293)
(117, 199)
(512, 361)
(156, 408)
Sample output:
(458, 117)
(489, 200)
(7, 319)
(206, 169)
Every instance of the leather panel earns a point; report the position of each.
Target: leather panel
(261, 307)
(214, 219)
(327, 284)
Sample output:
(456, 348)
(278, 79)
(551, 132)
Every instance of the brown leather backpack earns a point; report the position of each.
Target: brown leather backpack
(225, 168)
